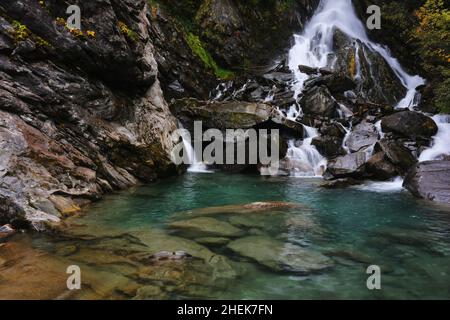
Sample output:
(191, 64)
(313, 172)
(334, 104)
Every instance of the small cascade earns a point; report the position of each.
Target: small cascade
(195, 165)
(441, 142)
(304, 159)
(379, 129)
(348, 132)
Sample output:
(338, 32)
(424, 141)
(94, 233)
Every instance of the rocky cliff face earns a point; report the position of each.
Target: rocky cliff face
(81, 112)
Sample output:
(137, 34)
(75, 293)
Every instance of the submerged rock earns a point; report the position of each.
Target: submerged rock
(430, 180)
(410, 124)
(212, 241)
(205, 226)
(279, 256)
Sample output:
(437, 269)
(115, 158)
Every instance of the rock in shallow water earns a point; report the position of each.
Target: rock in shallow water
(205, 226)
(279, 256)
(430, 180)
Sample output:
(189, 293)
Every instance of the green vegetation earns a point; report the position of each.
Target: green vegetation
(20, 31)
(433, 36)
(197, 47)
(130, 34)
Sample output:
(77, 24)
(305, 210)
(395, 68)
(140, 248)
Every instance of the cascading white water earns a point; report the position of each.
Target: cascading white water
(314, 47)
(195, 166)
(441, 142)
(305, 160)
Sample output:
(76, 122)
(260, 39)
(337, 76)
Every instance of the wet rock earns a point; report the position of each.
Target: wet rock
(64, 205)
(308, 70)
(380, 168)
(410, 124)
(340, 183)
(206, 227)
(333, 129)
(345, 166)
(318, 101)
(376, 81)
(397, 154)
(279, 256)
(363, 135)
(6, 231)
(430, 180)
(337, 83)
(329, 146)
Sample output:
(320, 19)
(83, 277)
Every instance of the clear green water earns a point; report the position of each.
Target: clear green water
(409, 239)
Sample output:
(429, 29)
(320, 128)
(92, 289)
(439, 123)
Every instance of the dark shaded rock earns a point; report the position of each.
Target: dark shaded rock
(379, 168)
(350, 165)
(333, 129)
(410, 124)
(397, 154)
(363, 135)
(329, 146)
(308, 70)
(430, 180)
(337, 83)
(318, 101)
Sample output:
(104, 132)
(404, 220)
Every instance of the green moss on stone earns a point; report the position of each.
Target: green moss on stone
(197, 48)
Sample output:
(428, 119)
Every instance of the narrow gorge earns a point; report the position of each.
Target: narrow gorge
(87, 175)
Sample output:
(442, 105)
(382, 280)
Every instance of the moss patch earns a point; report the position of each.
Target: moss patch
(197, 48)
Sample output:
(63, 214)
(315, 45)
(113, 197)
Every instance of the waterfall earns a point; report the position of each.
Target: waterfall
(313, 48)
(195, 165)
(305, 160)
(441, 143)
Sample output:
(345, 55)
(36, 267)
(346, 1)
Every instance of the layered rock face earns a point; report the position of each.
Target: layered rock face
(430, 180)
(82, 112)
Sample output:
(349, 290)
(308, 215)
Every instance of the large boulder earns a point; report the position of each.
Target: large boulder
(363, 135)
(319, 101)
(329, 146)
(430, 180)
(233, 115)
(350, 165)
(410, 124)
(378, 167)
(397, 154)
